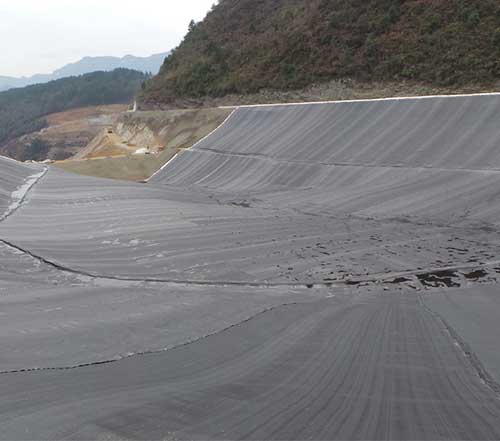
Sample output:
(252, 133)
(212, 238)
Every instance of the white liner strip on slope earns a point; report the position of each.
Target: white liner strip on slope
(367, 100)
(18, 196)
(194, 145)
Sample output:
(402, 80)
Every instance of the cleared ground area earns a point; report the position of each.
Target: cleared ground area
(322, 271)
(160, 133)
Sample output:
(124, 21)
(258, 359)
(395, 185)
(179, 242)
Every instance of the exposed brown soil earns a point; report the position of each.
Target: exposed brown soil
(162, 133)
(68, 132)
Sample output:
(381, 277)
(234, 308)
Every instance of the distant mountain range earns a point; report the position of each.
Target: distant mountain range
(87, 65)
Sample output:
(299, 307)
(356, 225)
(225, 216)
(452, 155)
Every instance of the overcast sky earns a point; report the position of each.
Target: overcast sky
(39, 36)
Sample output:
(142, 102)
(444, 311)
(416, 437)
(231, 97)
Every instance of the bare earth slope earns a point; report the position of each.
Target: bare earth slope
(67, 132)
(320, 271)
(161, 133)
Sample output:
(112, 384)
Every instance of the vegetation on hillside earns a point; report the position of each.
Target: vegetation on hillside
(36, 151)
(22, 110)
(244, 46)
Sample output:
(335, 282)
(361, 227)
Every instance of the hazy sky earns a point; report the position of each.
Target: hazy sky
(39, 36)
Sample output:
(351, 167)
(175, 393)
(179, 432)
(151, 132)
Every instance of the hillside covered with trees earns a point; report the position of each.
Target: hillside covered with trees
(244, 46)
(22, 111)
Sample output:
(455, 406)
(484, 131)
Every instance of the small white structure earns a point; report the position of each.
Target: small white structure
(142, 151)
(134, 108)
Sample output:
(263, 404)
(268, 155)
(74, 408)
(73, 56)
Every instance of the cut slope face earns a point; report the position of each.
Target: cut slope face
(450, 133)
(161, 133)
(357, 156)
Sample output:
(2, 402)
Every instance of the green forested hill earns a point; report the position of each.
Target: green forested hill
(246, 45)
(22, 110)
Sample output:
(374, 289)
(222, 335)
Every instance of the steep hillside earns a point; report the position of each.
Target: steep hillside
(22, 111)
(244, 46)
